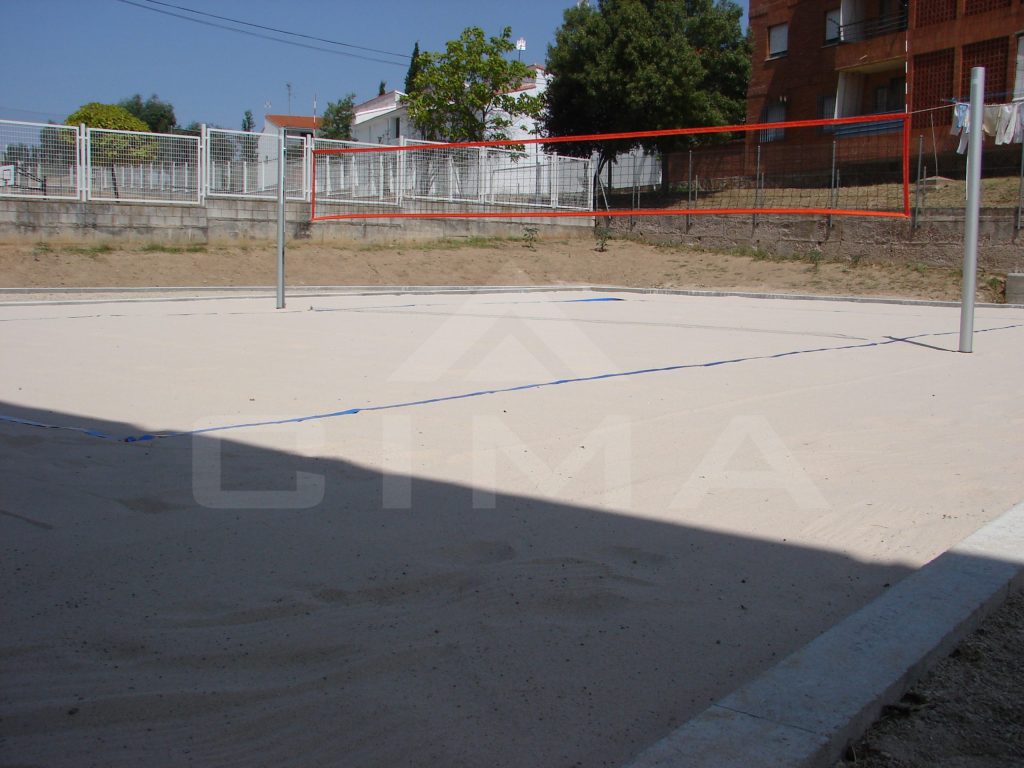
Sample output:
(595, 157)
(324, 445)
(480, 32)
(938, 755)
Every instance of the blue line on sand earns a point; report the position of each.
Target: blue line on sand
(481, 393)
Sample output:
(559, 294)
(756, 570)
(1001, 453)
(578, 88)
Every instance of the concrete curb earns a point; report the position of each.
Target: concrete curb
(803, 712)
(195, 293)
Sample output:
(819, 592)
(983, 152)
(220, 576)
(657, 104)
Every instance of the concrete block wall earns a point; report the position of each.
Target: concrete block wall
(937, 239)
(222, 219)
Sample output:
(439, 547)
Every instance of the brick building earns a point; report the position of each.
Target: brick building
(824, 58)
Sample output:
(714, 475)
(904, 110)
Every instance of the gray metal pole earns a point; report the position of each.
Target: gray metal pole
(970, 278)
(280, 218)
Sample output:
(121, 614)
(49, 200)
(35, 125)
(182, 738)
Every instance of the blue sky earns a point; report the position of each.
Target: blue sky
(70, 52)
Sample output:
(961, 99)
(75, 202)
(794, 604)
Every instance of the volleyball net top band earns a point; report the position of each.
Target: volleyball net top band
(854, 166)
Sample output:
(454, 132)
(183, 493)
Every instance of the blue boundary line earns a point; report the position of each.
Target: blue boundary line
(147, 437)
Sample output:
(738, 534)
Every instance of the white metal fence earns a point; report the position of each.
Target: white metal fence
(126, 166)
(477, 177)
(40, 161)
(59, 162)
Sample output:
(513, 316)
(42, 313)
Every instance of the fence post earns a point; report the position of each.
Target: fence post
(833, 196)
(204, 163)
(757, 183)
(554, 182)
(282, 196)
(689, 186)
(917, 188)
(307, 164)
(1020, 192)
(84, 162)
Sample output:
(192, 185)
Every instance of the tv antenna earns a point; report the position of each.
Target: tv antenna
(289, 87)
(521, 46)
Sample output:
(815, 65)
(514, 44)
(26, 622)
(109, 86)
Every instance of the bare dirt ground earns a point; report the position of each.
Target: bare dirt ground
(968, 712)
(473, 261)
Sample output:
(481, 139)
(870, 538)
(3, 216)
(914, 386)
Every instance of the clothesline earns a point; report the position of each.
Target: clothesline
(1003, 121)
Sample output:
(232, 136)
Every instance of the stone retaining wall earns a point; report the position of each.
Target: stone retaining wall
(937, 238)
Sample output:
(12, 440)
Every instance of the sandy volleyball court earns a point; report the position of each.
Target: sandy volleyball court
(517, 530)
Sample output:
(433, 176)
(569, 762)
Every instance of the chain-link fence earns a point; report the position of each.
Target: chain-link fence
(940, 173)
(39, 161)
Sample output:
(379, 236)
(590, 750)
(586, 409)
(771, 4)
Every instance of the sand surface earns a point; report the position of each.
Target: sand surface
(555, 575)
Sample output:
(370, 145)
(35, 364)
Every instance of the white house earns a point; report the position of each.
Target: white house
(382, 120)
(291, 125)
(385, 119)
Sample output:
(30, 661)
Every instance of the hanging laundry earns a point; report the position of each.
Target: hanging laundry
(959, 118)
(1007, 123)
(990, 118)
(1003, 121)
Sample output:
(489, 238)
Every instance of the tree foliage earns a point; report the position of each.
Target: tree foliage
(464, 93)
(249, 144)
(336, 122)
(158, 115)
(414, 67)
(111, 116)
(633, 65)
(115, 148)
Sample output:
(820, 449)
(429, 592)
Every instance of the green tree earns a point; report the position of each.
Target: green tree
(337, 120)
(115, 149)
(414, 67)
(464, 94)
(111, 116)
(632, 65)
(158, 115)
(249, 144)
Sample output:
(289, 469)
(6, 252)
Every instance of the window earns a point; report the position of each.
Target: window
(774, 113)
(827, 110)
(832, 31)
(778, 40)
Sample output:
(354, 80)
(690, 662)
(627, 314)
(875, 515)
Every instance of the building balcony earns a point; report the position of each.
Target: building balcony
(867, 29)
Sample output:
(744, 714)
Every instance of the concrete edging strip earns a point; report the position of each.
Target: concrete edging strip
(805, 711)
(194, 293)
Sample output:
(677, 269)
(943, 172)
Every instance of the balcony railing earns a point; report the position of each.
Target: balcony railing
(868, 28)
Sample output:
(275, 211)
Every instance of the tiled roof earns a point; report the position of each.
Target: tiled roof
(294, 121)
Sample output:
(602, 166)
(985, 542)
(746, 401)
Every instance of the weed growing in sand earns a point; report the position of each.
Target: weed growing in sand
(87, 250)
(815, 257)
(79, 250)
(602, 235)
(530, 235)
(161, 248)
(473, 241)
(997, 287)
(752, 252)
